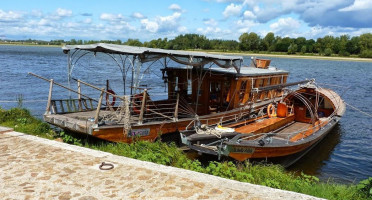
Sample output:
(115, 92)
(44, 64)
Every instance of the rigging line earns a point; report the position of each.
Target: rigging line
(357, 109)
(333, 85)
(24, 101)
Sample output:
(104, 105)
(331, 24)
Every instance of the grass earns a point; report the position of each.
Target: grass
(273, 176)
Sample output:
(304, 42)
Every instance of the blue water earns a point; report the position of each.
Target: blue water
(345, 155)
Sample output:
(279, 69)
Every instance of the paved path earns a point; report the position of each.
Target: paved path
(36, 168)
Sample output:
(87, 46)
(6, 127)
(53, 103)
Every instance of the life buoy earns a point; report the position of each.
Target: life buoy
(136, 105)
(271, 110)
(112, 103)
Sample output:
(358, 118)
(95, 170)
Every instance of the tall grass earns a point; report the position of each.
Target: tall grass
(269, 175)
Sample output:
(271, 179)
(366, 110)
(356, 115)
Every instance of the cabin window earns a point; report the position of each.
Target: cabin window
(214, 94)
(225, 91)
(176, 87)
(189, 87)
(259, 82)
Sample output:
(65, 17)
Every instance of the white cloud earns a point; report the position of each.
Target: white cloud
(175, 7)
(163, 23)
(256, 9)
(245, 25)
(232, 10)
(249, 15)
(210, 22)
(111, 17)
(358, 5)
(10, 16)
(36, 13)
(150, 26)
(63, 12)
(138, 15)
(44, 22)
(182, 29)
(285, 26)
(87, 20)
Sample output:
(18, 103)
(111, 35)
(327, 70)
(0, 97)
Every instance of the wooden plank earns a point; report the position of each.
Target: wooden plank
(99, 106)
(265, 125)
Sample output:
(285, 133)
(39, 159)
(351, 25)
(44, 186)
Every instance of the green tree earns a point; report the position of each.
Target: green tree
(283, 44)
(292, 49)
(249, 42)
(303, 49)
(352, 46)
(300, 41)
(268, 42)
(328, 52)
(365, 41)
(133, 42)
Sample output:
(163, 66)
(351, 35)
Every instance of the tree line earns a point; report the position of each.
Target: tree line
(343, 45)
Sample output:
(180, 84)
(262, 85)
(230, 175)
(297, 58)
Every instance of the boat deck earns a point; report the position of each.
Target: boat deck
(290, 129)
(265, 125)
(79, 121)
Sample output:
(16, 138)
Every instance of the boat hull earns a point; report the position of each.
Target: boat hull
(244, 152)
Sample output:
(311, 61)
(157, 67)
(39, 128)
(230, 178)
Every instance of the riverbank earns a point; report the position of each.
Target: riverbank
(249, 54)
(296, 56)
(268, 175)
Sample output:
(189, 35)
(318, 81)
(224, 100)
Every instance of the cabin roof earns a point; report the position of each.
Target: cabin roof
(244, 71)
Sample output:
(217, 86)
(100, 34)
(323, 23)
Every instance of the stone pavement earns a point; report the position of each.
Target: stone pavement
(37, 168)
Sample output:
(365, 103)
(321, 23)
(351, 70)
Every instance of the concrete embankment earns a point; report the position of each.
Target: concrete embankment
(37, 168)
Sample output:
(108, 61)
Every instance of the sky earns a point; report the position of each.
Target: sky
(152, 19)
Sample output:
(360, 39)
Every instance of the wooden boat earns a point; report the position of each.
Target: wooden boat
(299, 121)
(208, 87)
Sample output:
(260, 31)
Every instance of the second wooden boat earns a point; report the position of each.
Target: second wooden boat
(291, 126)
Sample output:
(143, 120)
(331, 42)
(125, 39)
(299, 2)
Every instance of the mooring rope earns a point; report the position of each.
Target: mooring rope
(357, 109)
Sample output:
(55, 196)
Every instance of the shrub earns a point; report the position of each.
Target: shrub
(292, 49)
(365, 187)
(303, 49)
(328, 52)
(366, 54)
(343, 53)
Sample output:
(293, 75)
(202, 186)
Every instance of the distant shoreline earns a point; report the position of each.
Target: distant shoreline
(295, 56)
(354, 59)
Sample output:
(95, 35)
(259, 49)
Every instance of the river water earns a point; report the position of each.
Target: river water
(345, 155)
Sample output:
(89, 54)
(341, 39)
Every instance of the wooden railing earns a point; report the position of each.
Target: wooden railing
(71, 105)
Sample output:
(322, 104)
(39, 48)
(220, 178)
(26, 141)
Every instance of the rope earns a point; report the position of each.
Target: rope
(24, 101)
(209, 131)
(357, 109)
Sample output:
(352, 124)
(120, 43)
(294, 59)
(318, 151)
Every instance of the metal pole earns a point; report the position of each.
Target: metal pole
(49, 97)
(69, 72)
(133, 61)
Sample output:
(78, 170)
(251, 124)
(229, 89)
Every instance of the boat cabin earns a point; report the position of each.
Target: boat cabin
(217, 90)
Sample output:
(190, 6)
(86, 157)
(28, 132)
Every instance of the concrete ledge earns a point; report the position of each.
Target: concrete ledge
(44, 169)
(5, 130)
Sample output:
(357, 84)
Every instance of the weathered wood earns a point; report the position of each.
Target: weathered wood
(99, 106)
(47, 111)
(60, 85)
(97, 88)
(68, 105)
(144, 96)
(176, 108)
(62, 107)
(79, 96)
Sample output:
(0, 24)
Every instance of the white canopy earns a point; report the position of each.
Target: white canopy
(151, 54)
